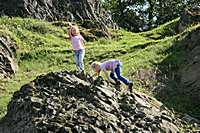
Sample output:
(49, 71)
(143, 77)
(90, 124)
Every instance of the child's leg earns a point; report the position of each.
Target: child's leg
(80, 59)
(117, 71)
(112, 75)
(76, 55)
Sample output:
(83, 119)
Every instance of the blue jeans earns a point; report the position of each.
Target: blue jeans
(121, 78)
(78, 58)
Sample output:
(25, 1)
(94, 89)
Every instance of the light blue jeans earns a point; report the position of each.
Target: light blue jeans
(78, 58)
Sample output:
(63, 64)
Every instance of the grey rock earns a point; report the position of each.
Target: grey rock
(53, 10)
(190, 72)
(81, 107)
(8, 63)
(189, 17)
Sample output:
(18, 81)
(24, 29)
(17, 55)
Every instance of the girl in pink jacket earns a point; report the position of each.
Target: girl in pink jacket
(77, 42)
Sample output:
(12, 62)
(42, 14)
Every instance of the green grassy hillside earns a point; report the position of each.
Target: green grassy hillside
(44, 47)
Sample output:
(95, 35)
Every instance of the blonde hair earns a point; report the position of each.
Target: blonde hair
(77, 32)
(94, 64)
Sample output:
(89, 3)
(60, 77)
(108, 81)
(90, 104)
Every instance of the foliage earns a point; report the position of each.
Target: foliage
(142, 15)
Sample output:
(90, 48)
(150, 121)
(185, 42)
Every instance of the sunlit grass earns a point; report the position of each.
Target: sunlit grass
(44, 48)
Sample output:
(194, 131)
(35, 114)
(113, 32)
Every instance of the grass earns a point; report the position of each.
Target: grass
(44, 47)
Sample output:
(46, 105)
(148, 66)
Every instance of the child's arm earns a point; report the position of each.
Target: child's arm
(69, 33)
(69, 30)
(107, 76)
(82, 42)
(96, 74)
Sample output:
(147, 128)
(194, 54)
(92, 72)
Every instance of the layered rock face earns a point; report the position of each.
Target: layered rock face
(189, 17)
(8, 64)
(62, 102)
(51, 10)
(190, 73)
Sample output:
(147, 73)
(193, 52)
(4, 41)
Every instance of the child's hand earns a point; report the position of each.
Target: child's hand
(98, 80)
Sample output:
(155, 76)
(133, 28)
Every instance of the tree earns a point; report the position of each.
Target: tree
(141, 15)
(124, 14)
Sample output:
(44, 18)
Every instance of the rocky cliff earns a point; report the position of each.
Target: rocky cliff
(51, 10)
(189, 17)
(62, 102)
(190, 72)
(8, 64)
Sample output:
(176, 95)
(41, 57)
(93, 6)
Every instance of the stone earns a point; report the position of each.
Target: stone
(190, 72)
(81, 108)
(8, 63)
(189, 17)
(55, 10)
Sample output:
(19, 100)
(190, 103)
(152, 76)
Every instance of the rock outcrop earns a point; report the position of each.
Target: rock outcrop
(189, 17)
(8, 64)
(51, 10)
(190, 72)
(61, 102)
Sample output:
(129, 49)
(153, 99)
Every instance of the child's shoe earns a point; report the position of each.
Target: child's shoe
(81, 75)
(130, 87)
(118, 83)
